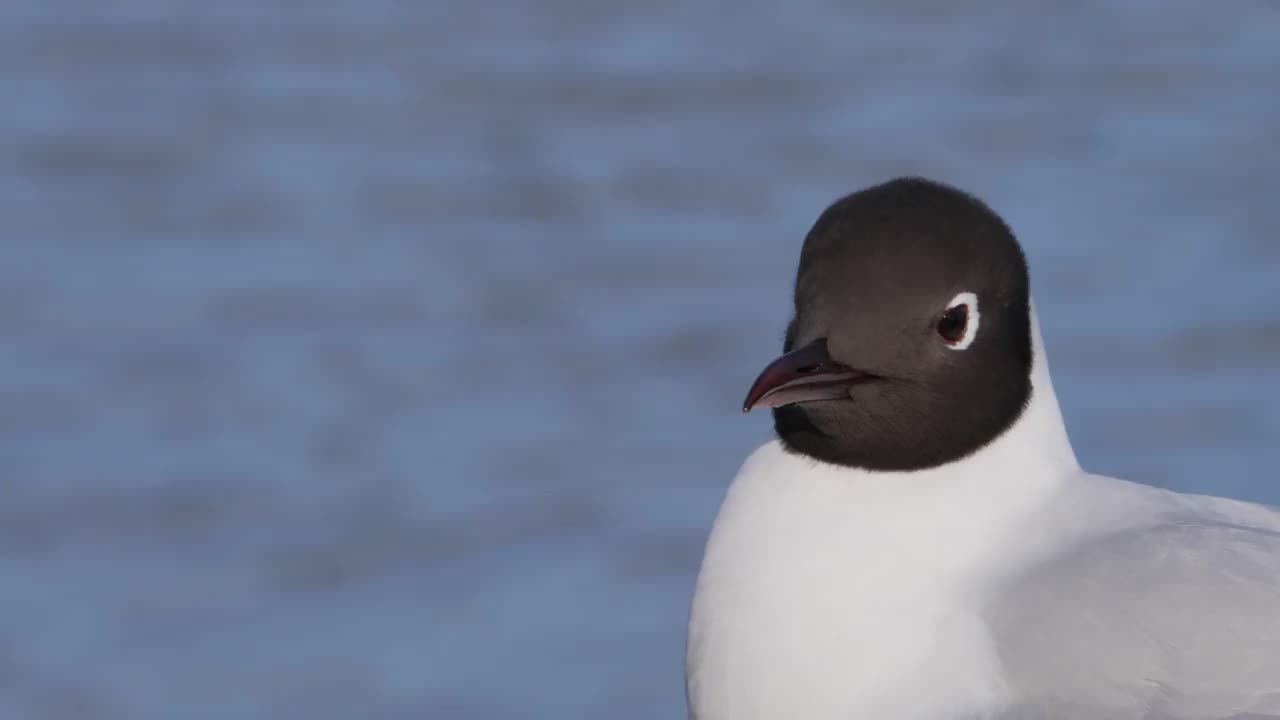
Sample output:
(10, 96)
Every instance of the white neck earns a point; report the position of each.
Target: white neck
(828, 591)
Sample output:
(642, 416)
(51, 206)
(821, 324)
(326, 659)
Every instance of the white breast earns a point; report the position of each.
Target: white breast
(826, 596)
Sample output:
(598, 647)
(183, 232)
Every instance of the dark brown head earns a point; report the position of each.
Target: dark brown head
(911, 343)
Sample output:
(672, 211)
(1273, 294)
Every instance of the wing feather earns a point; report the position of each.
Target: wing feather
(1177, 620)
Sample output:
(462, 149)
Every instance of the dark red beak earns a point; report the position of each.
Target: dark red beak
(801, 375)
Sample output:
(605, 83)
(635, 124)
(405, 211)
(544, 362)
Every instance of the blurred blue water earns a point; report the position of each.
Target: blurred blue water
(382, 360)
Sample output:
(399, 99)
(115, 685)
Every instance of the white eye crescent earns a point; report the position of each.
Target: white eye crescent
(958, 325)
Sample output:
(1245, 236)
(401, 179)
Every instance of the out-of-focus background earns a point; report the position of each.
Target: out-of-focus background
(383, 359)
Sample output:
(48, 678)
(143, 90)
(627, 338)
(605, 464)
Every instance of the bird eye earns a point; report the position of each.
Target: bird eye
(953, 323)
(958, 325)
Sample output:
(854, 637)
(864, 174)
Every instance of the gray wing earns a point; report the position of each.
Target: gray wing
(1175, 621)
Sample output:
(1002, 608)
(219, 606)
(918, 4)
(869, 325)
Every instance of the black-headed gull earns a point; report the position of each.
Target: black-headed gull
(920, 542)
